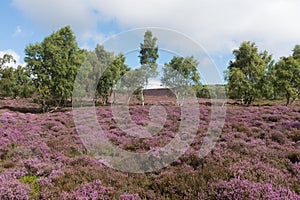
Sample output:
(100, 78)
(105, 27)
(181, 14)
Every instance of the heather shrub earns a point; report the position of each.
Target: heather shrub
(11, 187)
(237, 146)
(295, 172)
(271, 118)
(8, 164)
(193, 160)
(180, 182)
(240, 127)
(94, 190)
(47, 189)
(129, 197)
(244, 189)
(294, 157)
(4, 150)
(294, 135)
(257, 156)
(278, 137)
(295, 125)
(38, 167)
(257, 171)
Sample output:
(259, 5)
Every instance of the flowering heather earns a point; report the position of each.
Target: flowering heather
(94, 190)
(244, 189)
(256, 157)
(130, 197)
(11, 187)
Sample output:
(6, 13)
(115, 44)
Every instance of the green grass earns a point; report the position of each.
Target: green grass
(31, 180)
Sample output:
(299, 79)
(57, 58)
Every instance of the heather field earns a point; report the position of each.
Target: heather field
(256, 157)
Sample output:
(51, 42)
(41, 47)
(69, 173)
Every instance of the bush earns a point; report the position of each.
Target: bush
(244, 189)
(278, 137)
(94, 190)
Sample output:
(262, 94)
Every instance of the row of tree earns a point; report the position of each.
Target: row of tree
(53, 64)
(253, 74)
(14, 82)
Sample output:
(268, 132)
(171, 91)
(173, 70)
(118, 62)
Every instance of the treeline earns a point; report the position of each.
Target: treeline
(14, 82)
(53, 64)
(255, 75)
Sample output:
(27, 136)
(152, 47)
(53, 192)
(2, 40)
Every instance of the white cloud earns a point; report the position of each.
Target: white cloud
(53, 14)
(15, 56)
(217, 25)
(18, 31)
(153, 84)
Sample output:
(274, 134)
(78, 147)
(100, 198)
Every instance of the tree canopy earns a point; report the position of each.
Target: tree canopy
(287, 78)
(14, 82)
(149, 55)
(107, 70)
(54, 64)
(179, 74)
(7, 58)
(246, 73)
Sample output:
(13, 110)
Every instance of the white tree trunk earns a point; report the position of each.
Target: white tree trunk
(142, 97)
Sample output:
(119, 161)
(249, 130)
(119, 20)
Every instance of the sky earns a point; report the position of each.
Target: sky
(216, 26)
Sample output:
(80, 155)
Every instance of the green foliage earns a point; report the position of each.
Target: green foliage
(211, 91)
(7, 83)
(25, 87)
(253, 75)
(246, 74)
(149, 55)
(287, 78)
(116, 68)
(31, 180)
(102, 70)
(203, 91)
(54, 64)
(131, 83)
(180, 73)
(237, 83)
(6, 59)
(296, 52)
(16, 82)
